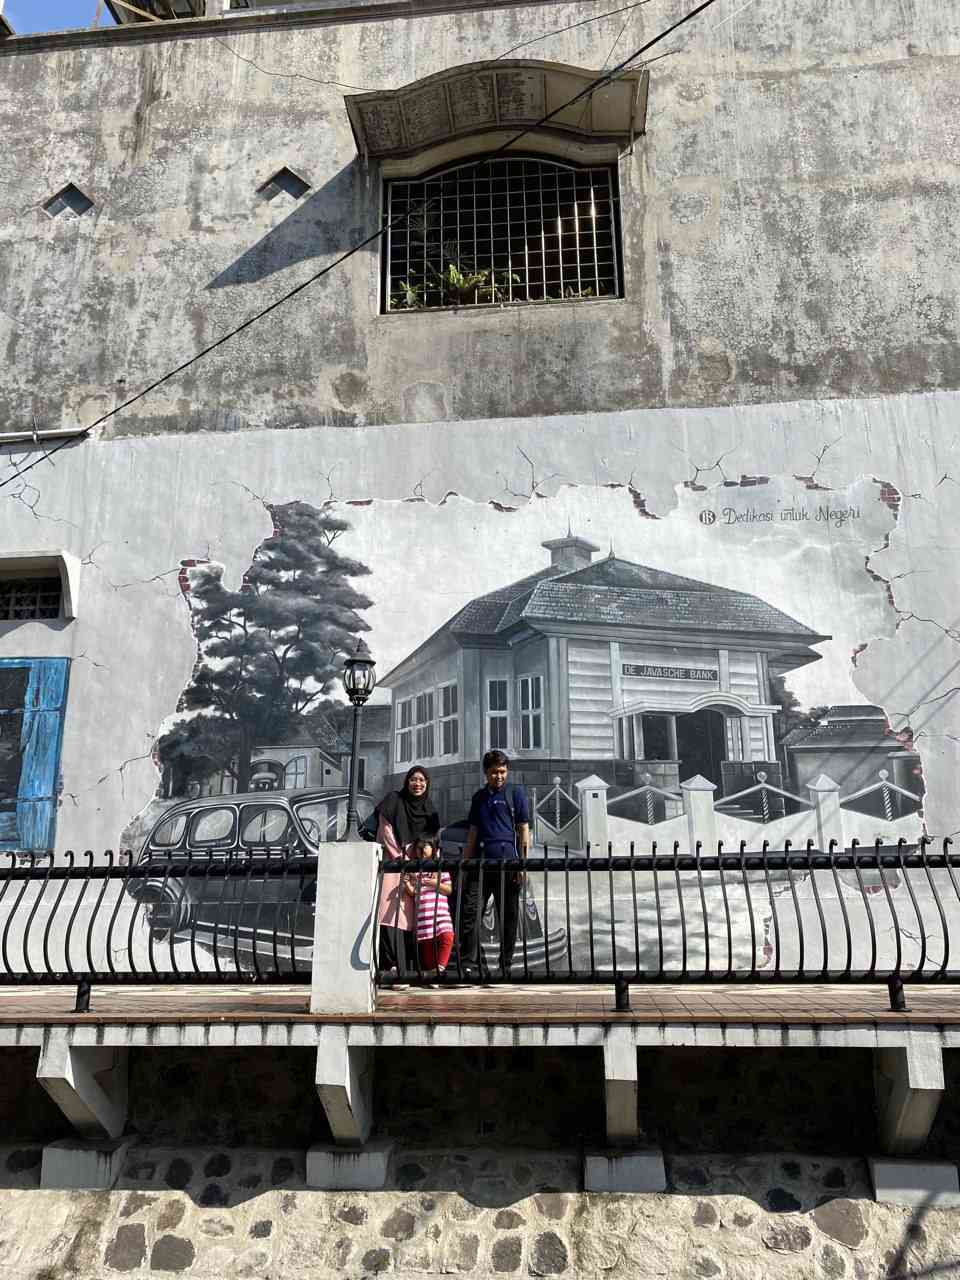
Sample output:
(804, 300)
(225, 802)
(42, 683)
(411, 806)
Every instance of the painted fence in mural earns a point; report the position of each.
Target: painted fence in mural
(597, 817)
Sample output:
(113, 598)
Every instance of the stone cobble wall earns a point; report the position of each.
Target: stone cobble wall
(227, 1096)
(208, 1212)
(525, 1097)
(813, 1099)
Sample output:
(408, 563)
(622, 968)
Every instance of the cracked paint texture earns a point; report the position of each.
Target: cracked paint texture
(485, 494)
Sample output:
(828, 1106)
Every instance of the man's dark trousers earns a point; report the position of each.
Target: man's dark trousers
(500, 884)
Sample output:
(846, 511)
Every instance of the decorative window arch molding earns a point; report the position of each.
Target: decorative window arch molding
(60, 563)
(717, 700)
(492, 100)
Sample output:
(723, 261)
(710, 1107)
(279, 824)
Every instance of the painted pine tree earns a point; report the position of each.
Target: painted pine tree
(270, 653)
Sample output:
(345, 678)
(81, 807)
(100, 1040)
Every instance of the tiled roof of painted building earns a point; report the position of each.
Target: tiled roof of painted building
(617, 592)
(846, 726)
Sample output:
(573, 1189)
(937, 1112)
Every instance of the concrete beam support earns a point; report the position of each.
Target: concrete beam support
(345, 1086)
(342, 980)
(88, 1084)
(72, 1165)
(620, 1086)
(623, 1171)
(909, 1085)
(340, 1169)
(916, 1184)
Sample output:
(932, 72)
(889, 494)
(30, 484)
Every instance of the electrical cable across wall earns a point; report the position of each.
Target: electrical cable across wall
(381, 231)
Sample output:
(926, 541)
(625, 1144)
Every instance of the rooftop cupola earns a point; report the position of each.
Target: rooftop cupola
(570, 552)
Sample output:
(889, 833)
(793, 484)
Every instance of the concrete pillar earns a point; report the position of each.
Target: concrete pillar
(672, 745)
(345, 1086)
(213, 8)
(825, 795)
(620, 1086)
(909, 1085)
(701, 819)
(88, 1084)
(592, 799)
(623, 1166)
(342, 975)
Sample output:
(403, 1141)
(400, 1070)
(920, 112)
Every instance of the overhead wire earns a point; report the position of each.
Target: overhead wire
(377, 234)
(340, 84)
(557, 31)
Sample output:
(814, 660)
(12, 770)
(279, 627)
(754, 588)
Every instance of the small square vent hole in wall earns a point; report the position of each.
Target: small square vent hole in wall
(69, 200)
(286, 181)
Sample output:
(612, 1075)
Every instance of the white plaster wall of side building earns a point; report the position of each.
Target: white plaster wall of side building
(775, 149)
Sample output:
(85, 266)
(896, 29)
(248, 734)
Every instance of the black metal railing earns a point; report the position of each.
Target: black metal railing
(880, 914)
(106, 919)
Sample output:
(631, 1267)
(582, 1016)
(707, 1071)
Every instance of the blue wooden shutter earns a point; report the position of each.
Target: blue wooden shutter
(41, 740)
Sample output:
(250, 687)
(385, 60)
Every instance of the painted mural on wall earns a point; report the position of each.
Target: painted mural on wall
(671, 680)
(594, 663)
(690, 704)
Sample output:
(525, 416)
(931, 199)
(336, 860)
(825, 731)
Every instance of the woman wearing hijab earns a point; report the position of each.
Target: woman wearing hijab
(404, 817)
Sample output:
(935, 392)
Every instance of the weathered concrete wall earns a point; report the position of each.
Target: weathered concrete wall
(788, 223)
(210, 1212)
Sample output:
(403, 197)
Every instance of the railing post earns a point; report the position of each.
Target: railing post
(342, 975)
(898, 1001)
(825, 794)
(82, 1004)
(592, 799)
(698, 806)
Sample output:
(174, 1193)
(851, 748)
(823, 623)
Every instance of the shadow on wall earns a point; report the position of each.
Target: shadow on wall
(332, 218)
(695, 1101)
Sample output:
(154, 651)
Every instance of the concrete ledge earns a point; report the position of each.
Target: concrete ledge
(72, 1164)
(624, 1171)
(932, 1184)
(346, 1169)
(270, 1033)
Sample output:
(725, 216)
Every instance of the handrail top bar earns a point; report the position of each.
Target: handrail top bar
(227, 868)
(887, 856)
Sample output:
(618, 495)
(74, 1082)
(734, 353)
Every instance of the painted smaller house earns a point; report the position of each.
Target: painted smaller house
(851, 745)
(281, 768)
(374, 752)
(598, 666)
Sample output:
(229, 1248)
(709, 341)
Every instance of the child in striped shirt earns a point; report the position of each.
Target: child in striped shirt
(430, 891)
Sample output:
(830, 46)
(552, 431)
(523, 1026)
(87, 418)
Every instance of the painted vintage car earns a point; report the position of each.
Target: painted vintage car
(287, 825)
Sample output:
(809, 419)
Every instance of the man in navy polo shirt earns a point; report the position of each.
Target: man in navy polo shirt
(499, 829)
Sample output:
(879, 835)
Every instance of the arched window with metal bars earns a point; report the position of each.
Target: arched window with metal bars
(515, 229)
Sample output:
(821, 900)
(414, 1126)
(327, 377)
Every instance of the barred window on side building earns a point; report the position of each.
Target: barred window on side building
(23, 598)
(502, 232)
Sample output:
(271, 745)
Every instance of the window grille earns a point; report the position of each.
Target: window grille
(22, 598)
(509, 231)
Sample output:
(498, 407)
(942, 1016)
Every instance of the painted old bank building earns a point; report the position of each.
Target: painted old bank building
(599, 665)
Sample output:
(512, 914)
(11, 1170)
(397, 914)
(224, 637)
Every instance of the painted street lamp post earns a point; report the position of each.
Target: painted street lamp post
(359, 681)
